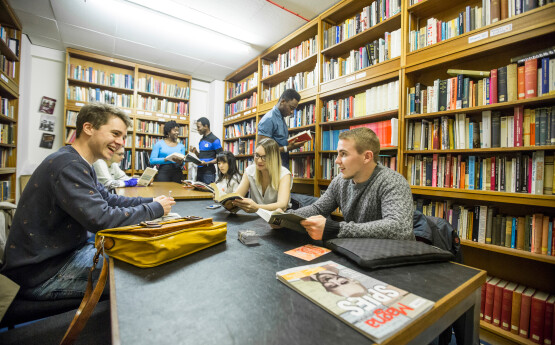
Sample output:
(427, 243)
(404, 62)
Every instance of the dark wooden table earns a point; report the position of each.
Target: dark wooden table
(229, 294)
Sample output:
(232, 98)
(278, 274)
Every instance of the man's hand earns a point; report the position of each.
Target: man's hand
(193, 150)
(166, 202)
(315, 226)
(246, 204)
(295, 144)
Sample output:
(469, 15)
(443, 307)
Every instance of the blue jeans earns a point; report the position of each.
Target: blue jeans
(71, 279)
(206, 177)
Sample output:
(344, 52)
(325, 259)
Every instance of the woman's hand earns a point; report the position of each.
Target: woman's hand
(246, 204)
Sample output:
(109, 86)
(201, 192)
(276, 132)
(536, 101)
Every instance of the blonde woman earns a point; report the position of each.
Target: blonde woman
(268, 182)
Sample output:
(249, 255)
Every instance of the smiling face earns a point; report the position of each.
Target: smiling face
(202, 130)
(107, 139)
(174, 134)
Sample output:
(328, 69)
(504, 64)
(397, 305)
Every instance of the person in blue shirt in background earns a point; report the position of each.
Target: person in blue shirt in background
(209, 147)
(272, 125)
(169, 170)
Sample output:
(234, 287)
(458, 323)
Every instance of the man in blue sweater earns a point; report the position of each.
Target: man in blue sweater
(47, 252)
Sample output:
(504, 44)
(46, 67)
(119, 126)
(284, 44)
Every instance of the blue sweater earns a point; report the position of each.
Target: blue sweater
(61, 201)
(161, 150)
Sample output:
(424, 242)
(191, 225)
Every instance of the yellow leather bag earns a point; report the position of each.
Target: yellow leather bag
(151, 244)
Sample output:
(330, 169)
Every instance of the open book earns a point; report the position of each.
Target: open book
(189, 157)
(223, 198)
(374, 308)
(286, 220)
(147, 177)
(203, 187)
(301, 136)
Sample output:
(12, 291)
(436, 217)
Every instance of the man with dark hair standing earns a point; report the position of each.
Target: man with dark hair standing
(47, 252)
(272, 125)
(209, 147)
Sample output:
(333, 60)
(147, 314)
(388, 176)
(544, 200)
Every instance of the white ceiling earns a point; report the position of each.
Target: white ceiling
(122, 29)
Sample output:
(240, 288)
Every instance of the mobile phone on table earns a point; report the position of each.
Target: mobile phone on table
(214, 206)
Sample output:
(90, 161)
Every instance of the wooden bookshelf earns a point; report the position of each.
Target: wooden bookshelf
(9, 94)
(151, 95)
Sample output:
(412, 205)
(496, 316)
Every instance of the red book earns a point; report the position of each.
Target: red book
(520, 82)
(537, 316)
(518, 123)
(507, 305)
(531, 78)
(525, 304)
(448, 171)
(533, 128)
(549, 320)
(434, 170)
(462, 174)
(483, 298)
(493, 179)
(515, 310)
(498, 302)
(490, 291)
(493, 86)
(453, 100)
(387, 133)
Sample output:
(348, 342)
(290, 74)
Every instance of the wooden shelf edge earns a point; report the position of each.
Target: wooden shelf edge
(483, 150)
(248, 136)
(375, 116)
(242, 95)
(509, 251)
(505, 334)
(241, 115)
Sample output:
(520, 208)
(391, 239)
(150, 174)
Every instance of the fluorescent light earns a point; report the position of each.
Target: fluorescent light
(201, 19)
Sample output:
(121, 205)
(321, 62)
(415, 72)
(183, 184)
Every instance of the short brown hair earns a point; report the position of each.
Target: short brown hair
(365, 140)
(98, 115)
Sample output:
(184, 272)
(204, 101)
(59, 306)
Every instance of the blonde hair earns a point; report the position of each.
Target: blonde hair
(365, 140)
(273, 162)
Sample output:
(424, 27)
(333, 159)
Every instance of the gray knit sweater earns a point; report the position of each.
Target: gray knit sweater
(378, 208)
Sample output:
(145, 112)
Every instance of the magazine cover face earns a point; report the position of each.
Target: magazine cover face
(372, 306)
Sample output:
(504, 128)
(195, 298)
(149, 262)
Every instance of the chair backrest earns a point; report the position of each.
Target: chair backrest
(437, 232)
(23, 179)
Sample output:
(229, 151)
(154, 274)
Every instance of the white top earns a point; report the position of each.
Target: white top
(232, 187)
(271, 195)
(110, 176)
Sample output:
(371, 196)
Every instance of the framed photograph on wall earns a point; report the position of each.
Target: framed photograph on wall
(47, 140)
(47, 122)
(47, 105)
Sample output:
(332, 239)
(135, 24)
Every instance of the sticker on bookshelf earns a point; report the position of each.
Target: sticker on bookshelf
(167, 116)
(147, 113)
(4, 78)
(127, 111)
(140, 112)
(174, 117)
(183, 118)
(360, 75)
(478, 37)
(79, 104)
(350, 79)
(247, 112)
(501, 30)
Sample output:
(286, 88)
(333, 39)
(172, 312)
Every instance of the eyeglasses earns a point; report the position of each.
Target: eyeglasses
(257, 156)
(120, 154)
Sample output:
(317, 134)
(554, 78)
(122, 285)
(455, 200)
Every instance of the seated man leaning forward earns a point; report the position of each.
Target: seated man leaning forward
(47, 252)
(376, 201)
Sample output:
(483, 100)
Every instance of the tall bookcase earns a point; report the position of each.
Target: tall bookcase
(10, 44)
(401, 59)
(149, 95)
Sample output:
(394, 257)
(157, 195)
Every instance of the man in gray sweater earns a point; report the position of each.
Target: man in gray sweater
(376, 201)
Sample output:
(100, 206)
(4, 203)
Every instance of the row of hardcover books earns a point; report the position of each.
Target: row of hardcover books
(7, 134)
(527, 127)
(308, 146)
(240, 147)
(241, 128)
(5, 108)
(162, 105)
(521, 173)
(125, 163)
(154, 127)
(379, 98)
(470, 19)
(7, 66)
(302, 167)
(302, 116)
(519, 309)
(142, 160)
(5, 189)
(387, 132)
(92, 75)
(299, 82)
(505, 84)
(12, 42)
(160, 87)
(242, 104)
(5, 154)
(242, 164)
(330, 169)
(377, 51)
(87, 94)
(375, 13)
(234, 89)
(292, 57)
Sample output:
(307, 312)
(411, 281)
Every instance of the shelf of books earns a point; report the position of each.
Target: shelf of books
(292, 63)
(241, 106)
(478, 141)
(10, 38)
(149, 95)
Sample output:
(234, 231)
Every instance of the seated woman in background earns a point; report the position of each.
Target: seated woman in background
(229, 178)
(109, 173)
(169, 170)
(267, 181)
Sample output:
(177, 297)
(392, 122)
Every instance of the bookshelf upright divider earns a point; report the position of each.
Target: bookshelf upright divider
(149, 95)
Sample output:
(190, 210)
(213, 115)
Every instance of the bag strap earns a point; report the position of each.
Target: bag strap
(90, 299)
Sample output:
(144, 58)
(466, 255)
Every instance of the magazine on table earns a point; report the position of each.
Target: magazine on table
(201, 186)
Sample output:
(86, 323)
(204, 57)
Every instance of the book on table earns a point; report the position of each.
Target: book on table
(301, 137)
(285, 220)
(201, 186)
(376, 309)
(223, 198)
(189, 157)
(147, 176)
